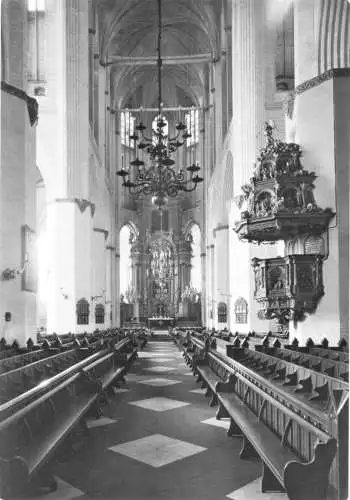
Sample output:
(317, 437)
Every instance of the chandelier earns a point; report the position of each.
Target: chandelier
(159, 180)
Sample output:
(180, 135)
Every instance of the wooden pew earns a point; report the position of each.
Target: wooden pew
(332, 367)
(14, 362)
(17, 381)
(303, 475)
(307, 386)
(15, 404)
(329, 353)
(27, 446)
(20, 380)
(139, 338)
(327, 421)
(7, 351)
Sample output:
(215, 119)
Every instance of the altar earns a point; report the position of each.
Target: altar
(160, 322)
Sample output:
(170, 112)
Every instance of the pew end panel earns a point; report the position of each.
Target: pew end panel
(309, 481)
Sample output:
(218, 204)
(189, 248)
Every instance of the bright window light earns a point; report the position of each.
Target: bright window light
(192, 124)
(125, 259)
(196, 269)
(127, 128)
(43, 266)
(36, 5)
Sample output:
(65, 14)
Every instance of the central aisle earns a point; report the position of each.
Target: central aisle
(159, 438)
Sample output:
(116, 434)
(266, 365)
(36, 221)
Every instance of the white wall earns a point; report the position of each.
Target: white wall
(321, 130)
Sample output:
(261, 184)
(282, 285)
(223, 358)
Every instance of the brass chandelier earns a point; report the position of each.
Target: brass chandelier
(159, 180)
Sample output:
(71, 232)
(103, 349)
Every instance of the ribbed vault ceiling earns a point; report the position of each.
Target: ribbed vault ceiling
(130, 27)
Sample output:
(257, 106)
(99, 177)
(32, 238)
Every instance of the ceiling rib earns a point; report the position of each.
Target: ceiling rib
(167, 60)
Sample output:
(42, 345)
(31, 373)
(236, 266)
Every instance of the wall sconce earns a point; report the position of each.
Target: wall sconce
(10, 274)
(64, 295)
(95, 297)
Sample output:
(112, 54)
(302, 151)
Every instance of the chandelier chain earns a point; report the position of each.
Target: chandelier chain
(160, 180)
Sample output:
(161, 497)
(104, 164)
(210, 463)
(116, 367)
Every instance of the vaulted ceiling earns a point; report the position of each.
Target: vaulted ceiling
(129, 28)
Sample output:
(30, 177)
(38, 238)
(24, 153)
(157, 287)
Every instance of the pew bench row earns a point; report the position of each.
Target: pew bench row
(34, 434)
(296, 448)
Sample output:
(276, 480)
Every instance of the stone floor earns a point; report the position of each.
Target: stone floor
(159, 438)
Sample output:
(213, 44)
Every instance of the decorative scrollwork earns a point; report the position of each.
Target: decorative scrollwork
(278, 202)
(294, 286)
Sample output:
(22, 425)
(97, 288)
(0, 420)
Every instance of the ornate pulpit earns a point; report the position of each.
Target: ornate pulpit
(279, 204)
(288, 287)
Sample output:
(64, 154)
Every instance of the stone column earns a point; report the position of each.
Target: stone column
(228, 37)
(116, 304)
(216, 99)
(249, 35)
(77, 96)
(136, 266)
(63, 158)
(203, 289)
(320, 109)
(18, 177)
(110, 281)
(248, 84)
(222, 262)
(211, 293)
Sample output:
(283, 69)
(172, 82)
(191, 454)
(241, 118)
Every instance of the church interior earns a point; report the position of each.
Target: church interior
(174, 249)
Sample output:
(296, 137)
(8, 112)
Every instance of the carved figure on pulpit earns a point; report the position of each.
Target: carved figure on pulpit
(258, 278)
(247, 203)
(263, 205)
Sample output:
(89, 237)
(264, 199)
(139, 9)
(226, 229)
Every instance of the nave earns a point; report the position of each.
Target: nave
(158, 438)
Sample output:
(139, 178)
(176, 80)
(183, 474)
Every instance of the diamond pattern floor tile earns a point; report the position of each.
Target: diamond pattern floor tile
(162, 360)
(117, 463)
(199, 391)
(159, 369)
(160, 382)
(135, 377)
(145, 355)
(99, 422)
(253, 491)
(159, 404)
(157, 450)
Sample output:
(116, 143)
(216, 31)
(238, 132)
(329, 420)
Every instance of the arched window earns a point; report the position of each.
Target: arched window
(36, 40)
(192, 124)
(241, 310)
(222, 312)
(99, 313)
(127, 128)
(125, 259)
(165, 129)
(36, 5)
(83, 311)
(196, 264)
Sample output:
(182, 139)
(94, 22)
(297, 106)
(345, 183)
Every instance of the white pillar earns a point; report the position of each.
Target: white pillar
(18, 178)
(63, 158)
(248, 82)
(249, 95)
(321, 111)
(221, 279)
